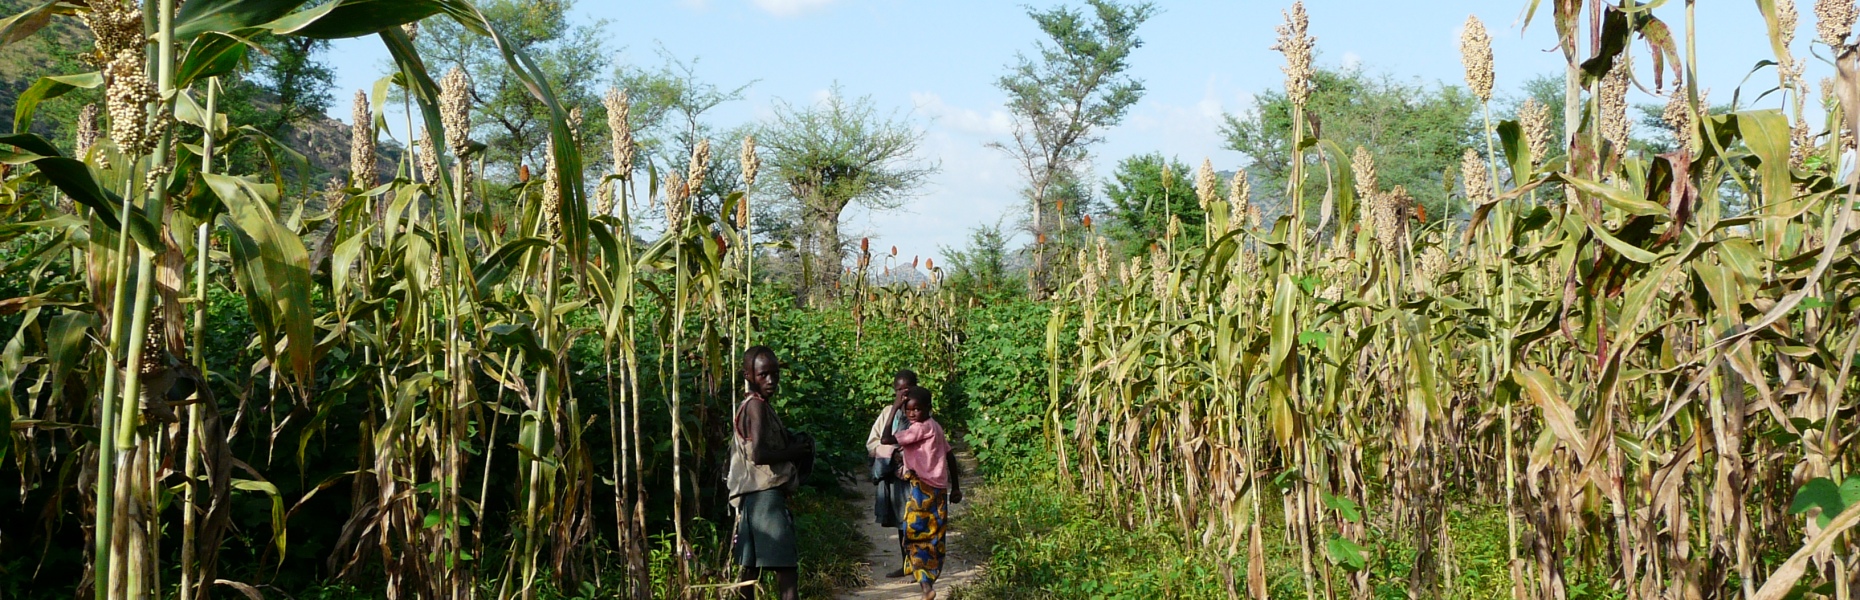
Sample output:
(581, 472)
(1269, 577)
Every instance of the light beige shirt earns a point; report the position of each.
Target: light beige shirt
(873, 447)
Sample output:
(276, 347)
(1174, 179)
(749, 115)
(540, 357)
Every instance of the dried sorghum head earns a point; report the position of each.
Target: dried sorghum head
(698, 170)
(618, 110)
(429, 157)
(362, 144)
(455, 110)
(1296, 43)
(1534, 118)
(1204, 184)
(1613, 97)
(1476, 55)
(1834, 20)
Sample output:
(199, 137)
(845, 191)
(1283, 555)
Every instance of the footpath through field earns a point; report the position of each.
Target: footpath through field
(962, 565)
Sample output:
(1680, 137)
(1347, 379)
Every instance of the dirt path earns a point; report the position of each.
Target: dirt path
(961, 565)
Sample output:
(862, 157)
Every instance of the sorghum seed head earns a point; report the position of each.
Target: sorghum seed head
(429, 157)
(552, 195)
(604, 198)
(1238, 200)
(362, 144)
(154, 344)
(1363, 164)
(1168, 176)
(1614, 88)
(116, 27)
(86, 129)
(1296, 44)
(1476, 54)
(1801, 144)
(698, 170)
(1834, 19)
(1204, 184)
(618, 111)
(455, 110)
(128, 96)
(1534, 118)
(751, 163)
(1678, 115)
(1473, 173)
(436, 270)
(1786, 21)
(676, 192)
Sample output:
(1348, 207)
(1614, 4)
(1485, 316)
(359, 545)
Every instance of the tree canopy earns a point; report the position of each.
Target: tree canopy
(833, 154)
(1415, 131)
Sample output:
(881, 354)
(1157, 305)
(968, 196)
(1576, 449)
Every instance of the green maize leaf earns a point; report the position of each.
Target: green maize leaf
(343, 260)
(1626, 201)
(1626, 250)
(211, 55)
(356, 18)
(197, 17)
(24, 24)
(1284, 332)
(1517, 150)
(47, 88)
(76, 180)
(277, 266)
(277, 507)
(1766, 132)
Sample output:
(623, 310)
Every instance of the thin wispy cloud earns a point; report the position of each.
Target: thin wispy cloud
(966, 120)
(789, 8)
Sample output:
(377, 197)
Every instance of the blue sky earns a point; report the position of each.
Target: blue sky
(937, 61)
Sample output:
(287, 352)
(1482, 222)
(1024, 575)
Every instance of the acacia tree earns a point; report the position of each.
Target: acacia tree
(829, 156)
(1065, 96)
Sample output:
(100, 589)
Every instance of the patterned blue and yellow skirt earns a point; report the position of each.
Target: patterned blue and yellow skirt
(926, 520)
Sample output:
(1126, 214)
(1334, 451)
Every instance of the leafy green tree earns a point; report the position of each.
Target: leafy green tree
(829, 156)
(294, 82)
(982, 270)
(1139, 204)
(1063, 98)
(1415, 131)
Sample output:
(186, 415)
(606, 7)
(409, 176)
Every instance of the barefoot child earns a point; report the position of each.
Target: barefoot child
(763, 472)
(933, 482)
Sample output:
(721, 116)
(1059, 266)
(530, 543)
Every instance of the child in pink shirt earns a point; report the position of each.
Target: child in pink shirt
(934, 480)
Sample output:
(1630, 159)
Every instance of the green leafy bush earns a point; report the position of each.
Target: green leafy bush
(1002, 383)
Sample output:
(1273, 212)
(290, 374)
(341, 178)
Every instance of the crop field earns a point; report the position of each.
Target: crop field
(244, 353)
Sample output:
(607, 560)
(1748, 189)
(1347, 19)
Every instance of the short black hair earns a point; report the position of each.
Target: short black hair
(919, 395)
(753, 353)
(907, 375)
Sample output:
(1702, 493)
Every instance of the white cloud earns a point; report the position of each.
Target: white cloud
(789, 8)
(994, 123)
(1351, 60)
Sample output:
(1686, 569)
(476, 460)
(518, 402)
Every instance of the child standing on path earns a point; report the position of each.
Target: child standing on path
(763, 473)
(934, 481)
